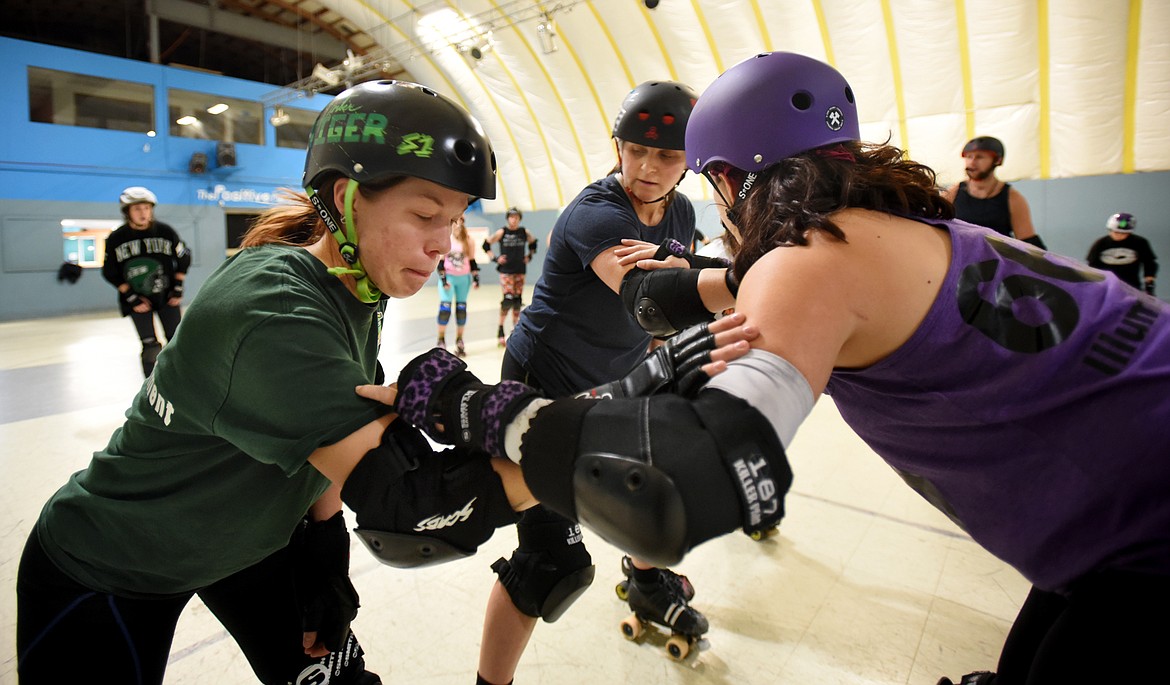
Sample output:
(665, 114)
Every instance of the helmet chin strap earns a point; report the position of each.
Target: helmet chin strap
(366, 290)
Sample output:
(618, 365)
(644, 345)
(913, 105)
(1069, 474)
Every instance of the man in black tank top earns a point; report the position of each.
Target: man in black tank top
(987, 201)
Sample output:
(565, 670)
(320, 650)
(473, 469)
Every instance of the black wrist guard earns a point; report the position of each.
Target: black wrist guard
(326, 597)
(673, 248)
(176, 290)
(673, 367)
(129, 298)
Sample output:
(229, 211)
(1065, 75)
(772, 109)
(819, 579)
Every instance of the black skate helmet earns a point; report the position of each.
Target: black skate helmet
(986, 143)
(381, 129)
(655, 114)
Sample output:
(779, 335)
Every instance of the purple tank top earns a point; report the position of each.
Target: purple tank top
(1032, 406)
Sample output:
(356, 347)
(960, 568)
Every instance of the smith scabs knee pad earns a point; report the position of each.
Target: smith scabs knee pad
(444, 313)
(549, 570)
(402, 550)
(461, 313)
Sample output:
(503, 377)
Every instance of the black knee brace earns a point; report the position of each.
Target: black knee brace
(444, 313)
(551, 567)
(511, 301)
(460, 313)
(150, 352)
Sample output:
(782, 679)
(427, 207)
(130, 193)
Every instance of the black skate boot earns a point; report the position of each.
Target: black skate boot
(680, 583)
(460, 350)
(663, 603)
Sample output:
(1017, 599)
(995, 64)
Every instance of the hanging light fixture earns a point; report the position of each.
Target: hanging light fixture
(546, 33)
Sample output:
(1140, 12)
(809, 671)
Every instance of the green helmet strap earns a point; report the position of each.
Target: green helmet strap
(366, 291)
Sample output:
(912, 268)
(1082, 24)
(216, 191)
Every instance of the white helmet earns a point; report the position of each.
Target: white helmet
(1122, 222)
(135, 195)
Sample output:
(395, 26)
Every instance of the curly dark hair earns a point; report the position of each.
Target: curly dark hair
(798, 194)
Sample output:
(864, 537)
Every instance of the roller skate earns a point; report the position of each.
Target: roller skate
(681, 584)
(661, 603)
(761, 534)
(460, 350)
(442, 344)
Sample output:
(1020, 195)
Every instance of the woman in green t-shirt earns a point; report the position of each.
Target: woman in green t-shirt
(250, 425)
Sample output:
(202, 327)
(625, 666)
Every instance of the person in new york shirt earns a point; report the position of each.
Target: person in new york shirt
(1124, 253)
(146, 261)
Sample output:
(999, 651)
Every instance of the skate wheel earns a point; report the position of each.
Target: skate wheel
(760, 535)
(678, 646)
(632, 628)
(623, 590)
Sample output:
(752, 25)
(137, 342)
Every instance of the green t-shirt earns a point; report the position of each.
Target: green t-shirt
(208, 475)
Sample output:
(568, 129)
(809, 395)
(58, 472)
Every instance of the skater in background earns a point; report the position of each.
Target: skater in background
(517, 247)
(146, 261)
(458, 273)
(218, 485)
(985, 200)
(1128, 255)
(981, 370)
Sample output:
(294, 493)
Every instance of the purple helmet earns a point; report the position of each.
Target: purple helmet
(767, 108)
(1122, 222)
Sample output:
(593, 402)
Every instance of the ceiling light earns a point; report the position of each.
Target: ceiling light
(218, 108)
(326, 74)
(546, 33)
(279, 117)
(186, 121)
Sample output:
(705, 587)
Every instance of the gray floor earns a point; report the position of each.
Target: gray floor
(866, 583)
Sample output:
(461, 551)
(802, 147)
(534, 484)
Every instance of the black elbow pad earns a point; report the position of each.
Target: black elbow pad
(664, 301)
(657, 476)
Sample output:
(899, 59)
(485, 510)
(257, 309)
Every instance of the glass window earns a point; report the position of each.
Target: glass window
(214, 117)
(293, 127)
(85, 240)
(60, 97)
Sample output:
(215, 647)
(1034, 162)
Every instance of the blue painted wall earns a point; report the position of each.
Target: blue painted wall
(49, 172)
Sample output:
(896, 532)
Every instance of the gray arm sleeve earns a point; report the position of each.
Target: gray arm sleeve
(772, 386)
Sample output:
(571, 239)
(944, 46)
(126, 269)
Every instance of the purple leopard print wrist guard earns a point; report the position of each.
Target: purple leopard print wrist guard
(419, 383)
(495, 413)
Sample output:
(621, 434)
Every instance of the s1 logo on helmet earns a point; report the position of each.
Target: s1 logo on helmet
(419, 144)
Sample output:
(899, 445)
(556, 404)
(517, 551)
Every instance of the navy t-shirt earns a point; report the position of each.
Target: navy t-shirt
(577, 334)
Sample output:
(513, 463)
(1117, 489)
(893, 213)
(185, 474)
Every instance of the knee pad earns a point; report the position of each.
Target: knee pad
(510, 301)
(444, 313)
(150, 352)
(550, 568)
(461, 313)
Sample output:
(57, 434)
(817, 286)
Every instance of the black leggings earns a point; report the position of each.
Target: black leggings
(169, 316)
(1109, 628)
(67, 632)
